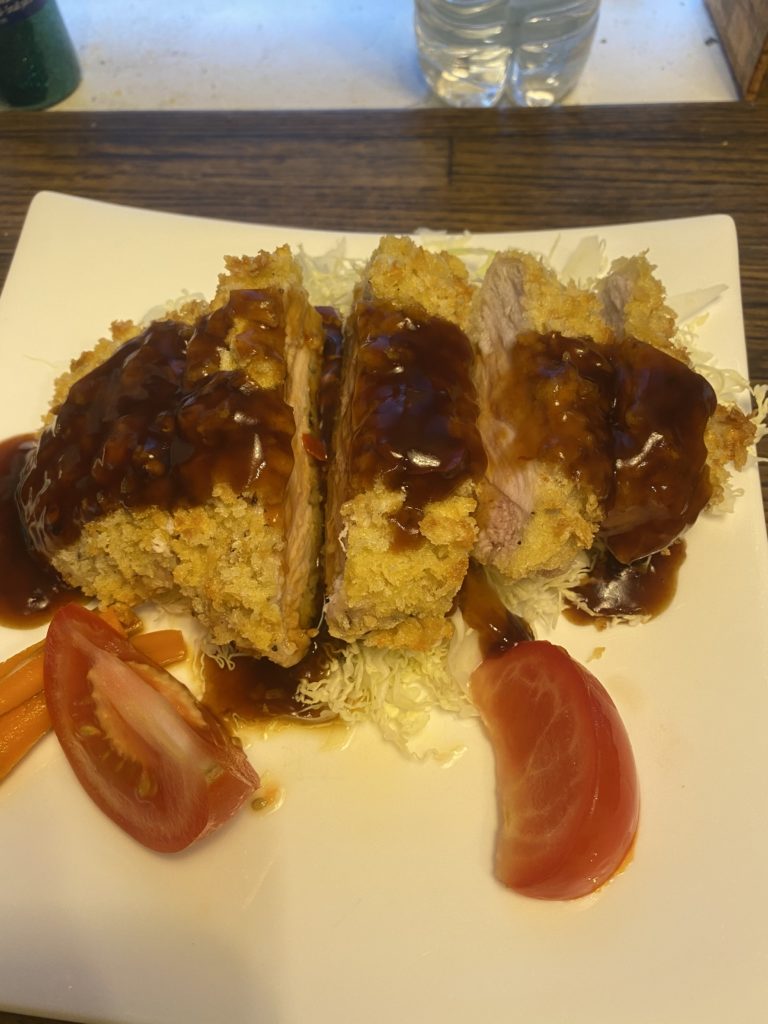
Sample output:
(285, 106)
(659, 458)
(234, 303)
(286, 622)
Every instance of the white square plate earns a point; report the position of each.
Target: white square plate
(368, 896)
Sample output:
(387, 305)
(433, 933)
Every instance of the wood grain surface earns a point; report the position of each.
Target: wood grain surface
(395, 171)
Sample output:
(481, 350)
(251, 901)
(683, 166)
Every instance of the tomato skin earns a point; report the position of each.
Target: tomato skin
(566, 778)
(153, 758)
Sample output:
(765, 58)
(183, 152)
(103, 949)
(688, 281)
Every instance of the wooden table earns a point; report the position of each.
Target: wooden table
(394, 171)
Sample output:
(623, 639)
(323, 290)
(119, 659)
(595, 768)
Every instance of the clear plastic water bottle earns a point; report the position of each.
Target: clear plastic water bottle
(551, 40)
(474, 52)
(464, 49)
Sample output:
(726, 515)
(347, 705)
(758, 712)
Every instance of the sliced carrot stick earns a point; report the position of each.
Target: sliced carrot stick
(165, 646)
(23, 713)
(127, 626)
(20, 729)
(15, 659)
(21, 677)
(110, 617)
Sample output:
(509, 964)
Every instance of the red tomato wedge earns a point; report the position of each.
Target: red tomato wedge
(153, 758)
(565, 772)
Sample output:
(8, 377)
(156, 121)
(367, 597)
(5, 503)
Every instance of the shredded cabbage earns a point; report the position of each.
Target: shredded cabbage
(540, 599)
(688, 305)
(398, 691)
(330, 278)
(586, 263)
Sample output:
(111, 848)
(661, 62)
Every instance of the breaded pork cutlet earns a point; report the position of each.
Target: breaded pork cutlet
(171, 467)
(634, 305)
(594, 423)
(535, 512)
(401, 489)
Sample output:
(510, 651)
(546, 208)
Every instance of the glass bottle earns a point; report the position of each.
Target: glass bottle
(38, 63)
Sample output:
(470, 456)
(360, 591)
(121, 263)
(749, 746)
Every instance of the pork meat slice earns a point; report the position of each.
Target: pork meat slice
(533, 515)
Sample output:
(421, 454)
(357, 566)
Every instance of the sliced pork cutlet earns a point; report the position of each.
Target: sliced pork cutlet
(543, 385)
(672, 439)
(634, 304)
(407, 453)
(173, 468)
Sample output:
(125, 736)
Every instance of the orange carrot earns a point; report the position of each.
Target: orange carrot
(20, 729)
(21, 677)
(129, 624)
(110, 617)
(10, 663)
(165, 646)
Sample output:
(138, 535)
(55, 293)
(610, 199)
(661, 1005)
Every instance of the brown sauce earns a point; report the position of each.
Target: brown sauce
(255, 689)
(483, 610)
(413, 410)
(661, 480)
(615, 590)
(329, 389)
(159, 424)
(627, 420)
(30, 591)
(559, 394)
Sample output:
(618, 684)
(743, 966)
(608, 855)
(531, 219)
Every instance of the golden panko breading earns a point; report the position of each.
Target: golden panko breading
(635, 305)
(728, 437)
(400, 523)
(405, 274)
(189, 483)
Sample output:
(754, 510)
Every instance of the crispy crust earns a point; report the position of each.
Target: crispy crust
(533, 520)
(388, 597)
(636, 306)
(251, 579)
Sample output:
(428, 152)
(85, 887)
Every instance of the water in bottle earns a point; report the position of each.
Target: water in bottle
(474, 52)
(551, 40)
(464, 49)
